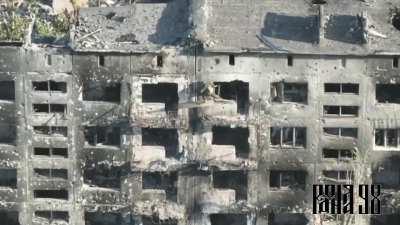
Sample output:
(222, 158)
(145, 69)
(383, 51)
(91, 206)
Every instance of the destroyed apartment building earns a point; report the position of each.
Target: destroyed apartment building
(196, 112)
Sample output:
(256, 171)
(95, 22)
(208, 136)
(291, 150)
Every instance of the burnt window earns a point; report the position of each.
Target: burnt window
(342, 88)
(50, 108)
(288, 136)
(340, 111)
(51, 173)
(160, 61)
(166, 93)
(50, 86)
(388, 93)
(8, 133)
(51, 131)
(289, 92)
(287, 179)
(387, 138)
(147, 220)
(346, 176)
(236, 180)
(232, 60)
(237, 91)
(290, 60)
(162, 137)
(387, 219)
(287, 219)
(8, 178)
(9, 217)
(102, 91)
(103, 176)
(341, 131)
(51, 194)
(161, 181)
(231, 219)
(7, 90)
(338, 154)
(239, 137)
(395, 62)
(52, 216)
(109, 218)
(102, 136)
(101, 60)
(51, 152)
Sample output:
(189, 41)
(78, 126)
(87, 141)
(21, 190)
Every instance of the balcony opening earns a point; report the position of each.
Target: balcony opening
(287, 219)
(51, 131)
(290, 60)
(232, 60)
(289, 137)
(50, 86)
(161, 181)
(51, 152)
(236, 180)
(388, 93)
(289, 92)
(239, 137)
(237, 91)
(388, 219)
(103, 176)
(342, 88)
(98, 136)
(387, 138)
(51, 194)
(338, 154)
(51, 173)
(101, 60)
(109, 218)
(147, 220)
(340, 111)
(231, 219)
(101, 91)
(8, 134)
(168, 138)
(53, 217)
(341, 131)
(8, 178)
(285, 180)
(7, 90)
(9, 217)
(166, 93)
(341, 176)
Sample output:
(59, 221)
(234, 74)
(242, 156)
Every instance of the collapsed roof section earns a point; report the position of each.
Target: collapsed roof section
(139, 27)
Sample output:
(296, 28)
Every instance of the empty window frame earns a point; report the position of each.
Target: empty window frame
(239, 137)
(8, 133)
(387, 138)
(7, 90)
(109, 218)
(228, 218)
(9, 217)
(53, 216)
(289, 92)
(152, 220)
(236, 180)
(346, 176)
(51, 173)
(388, 93)
(8, 178)
(51, 131)
(166, 93)
(50, 108)
(341, 88)
(161, 181)
(101, 91)
(341, 131)
(340, 111)
(103, 176)
(284, 180)
(162, 137)
(50, 152)
(287, 219)
(103, 136)
(289, 136)
(232, 60)
(338, 154)
(234, 90)
(50, 86)
(51, 194)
